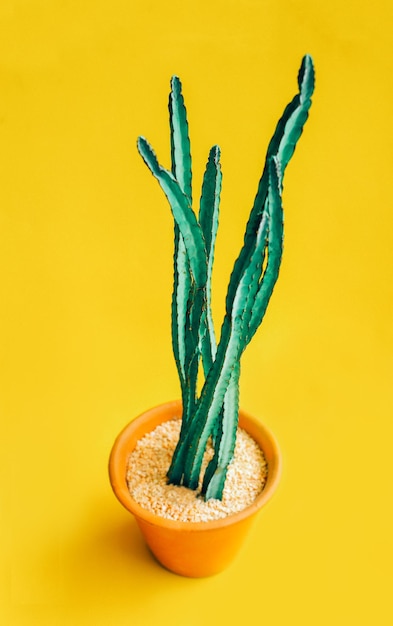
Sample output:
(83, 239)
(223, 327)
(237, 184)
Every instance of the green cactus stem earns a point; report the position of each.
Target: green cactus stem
(208, 219)
(234, 332)
(213, 413)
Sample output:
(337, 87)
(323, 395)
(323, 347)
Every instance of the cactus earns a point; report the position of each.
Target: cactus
(213, 413)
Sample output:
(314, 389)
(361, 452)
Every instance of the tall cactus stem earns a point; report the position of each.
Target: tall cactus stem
(213, 411)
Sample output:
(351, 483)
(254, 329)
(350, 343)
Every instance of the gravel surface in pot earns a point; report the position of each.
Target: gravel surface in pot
(147, 482)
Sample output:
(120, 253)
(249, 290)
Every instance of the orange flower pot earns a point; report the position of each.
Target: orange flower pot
(193, 549)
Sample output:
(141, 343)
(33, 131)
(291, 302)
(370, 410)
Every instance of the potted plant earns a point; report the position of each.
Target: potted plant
(209, 413)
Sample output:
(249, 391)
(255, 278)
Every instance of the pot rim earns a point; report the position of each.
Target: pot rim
(122, 448)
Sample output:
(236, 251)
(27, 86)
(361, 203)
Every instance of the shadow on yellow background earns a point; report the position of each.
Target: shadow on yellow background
(85, 287)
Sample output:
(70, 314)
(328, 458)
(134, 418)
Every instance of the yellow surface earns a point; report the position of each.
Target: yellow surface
(86, 270)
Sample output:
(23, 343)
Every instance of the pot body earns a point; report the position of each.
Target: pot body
(191, 549)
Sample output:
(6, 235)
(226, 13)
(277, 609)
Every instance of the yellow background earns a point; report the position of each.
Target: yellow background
(86, 271)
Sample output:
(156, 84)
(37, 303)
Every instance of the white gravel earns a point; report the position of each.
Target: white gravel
(149, 463)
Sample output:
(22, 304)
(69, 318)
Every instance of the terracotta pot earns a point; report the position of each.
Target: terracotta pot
(199, 548)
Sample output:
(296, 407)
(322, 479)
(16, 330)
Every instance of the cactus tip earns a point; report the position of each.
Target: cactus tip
(175, 83)
(142, 144)
(215, 153)
(306, 76)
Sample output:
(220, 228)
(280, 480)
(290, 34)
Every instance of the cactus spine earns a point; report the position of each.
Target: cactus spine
(214, 412)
